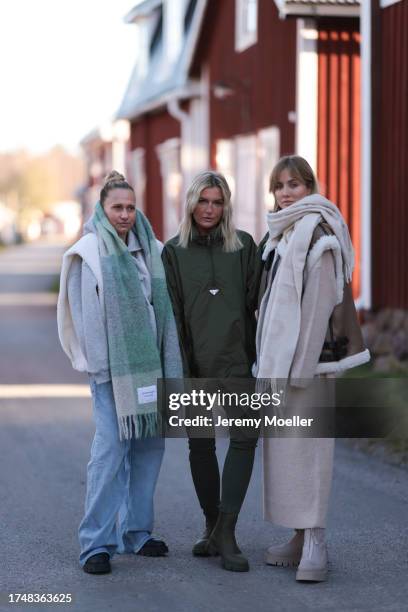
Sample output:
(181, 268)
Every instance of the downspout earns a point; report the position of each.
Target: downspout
(365, 300)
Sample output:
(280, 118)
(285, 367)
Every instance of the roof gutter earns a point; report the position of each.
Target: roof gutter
(185, 92)
(315, 10)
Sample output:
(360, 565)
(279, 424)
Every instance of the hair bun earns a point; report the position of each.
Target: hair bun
(114, 176)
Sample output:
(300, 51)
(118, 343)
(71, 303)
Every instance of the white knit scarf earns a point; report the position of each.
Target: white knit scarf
(279, 315)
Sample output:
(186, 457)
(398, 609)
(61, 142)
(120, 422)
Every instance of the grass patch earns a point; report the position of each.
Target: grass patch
(55, 285)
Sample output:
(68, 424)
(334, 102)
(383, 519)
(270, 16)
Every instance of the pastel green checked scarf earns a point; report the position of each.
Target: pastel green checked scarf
(136, 359)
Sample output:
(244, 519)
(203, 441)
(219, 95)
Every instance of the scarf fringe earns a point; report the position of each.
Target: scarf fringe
(271, 386)
(139, 426)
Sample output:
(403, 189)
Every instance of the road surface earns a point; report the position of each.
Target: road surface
(44, 450)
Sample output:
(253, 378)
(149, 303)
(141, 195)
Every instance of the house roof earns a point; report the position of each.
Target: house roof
(315, 8)
(157, 87)
(142, 10)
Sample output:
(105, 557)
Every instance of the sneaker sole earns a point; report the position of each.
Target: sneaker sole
(97, 571)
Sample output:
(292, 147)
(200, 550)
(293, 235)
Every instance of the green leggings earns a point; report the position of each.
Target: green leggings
(235, 476)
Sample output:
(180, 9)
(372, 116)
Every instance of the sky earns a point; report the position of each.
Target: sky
(64, 68)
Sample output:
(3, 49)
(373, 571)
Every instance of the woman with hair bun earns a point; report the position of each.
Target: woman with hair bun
(115, 321)
(307, 328)
(210, 271)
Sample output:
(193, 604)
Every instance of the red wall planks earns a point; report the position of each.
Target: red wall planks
(338, 165)
(390, 158)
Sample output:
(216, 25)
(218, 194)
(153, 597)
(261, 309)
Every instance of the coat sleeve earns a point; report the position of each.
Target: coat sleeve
(174, 289)
(318, 301)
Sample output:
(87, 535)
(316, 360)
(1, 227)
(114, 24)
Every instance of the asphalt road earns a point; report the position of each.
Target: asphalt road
(44, 448)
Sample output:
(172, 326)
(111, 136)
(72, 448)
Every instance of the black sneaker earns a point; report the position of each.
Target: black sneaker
(98, 564)
(153, 548)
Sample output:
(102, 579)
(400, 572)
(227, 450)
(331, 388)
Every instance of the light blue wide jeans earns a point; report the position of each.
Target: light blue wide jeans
(121, 481)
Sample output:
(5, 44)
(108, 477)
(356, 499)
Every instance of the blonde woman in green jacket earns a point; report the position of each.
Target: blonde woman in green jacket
(210, 270)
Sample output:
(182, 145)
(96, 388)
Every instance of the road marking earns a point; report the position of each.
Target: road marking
(25, 270)
(43, 391)
(28, 299)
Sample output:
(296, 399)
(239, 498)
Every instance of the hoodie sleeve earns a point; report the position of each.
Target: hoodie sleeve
(87, 317)
(74, 282)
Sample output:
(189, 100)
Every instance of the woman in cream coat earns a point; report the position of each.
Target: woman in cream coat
(307, 327)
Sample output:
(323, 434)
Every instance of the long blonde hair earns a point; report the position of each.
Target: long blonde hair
(299, 168)
(202, 181)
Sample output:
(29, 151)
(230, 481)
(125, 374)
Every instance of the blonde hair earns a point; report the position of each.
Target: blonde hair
(202, 181)
(299, 168)
(114, 180)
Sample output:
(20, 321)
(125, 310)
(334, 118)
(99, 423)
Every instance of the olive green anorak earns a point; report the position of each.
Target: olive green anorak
(214, 300)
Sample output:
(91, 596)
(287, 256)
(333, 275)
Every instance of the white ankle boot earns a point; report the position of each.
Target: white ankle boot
(286, 555)
(313, 564)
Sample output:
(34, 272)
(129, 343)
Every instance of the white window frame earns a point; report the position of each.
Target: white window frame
(268, 156)
(138, 176)
(245, 37)
(263, 147)
(307, 72)
(246, 181)
(168, 153)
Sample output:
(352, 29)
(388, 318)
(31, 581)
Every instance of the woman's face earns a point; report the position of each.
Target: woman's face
(208, 211)
(120, 208)
(289, 189)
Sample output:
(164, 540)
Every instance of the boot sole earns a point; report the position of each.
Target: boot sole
(311, 575)
(231, 567)
(225, 564)
(282, 561)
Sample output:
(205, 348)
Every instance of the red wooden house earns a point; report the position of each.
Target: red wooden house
(235, 84)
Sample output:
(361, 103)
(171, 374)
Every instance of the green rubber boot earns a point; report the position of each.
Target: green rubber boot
(222, 541)
(200, 548)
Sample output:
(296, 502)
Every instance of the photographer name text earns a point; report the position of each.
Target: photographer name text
(274, 421)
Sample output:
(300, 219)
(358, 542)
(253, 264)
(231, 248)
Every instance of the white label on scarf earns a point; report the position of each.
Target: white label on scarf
(145, 395)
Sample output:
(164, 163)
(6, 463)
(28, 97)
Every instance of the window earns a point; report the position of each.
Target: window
(246, 24)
